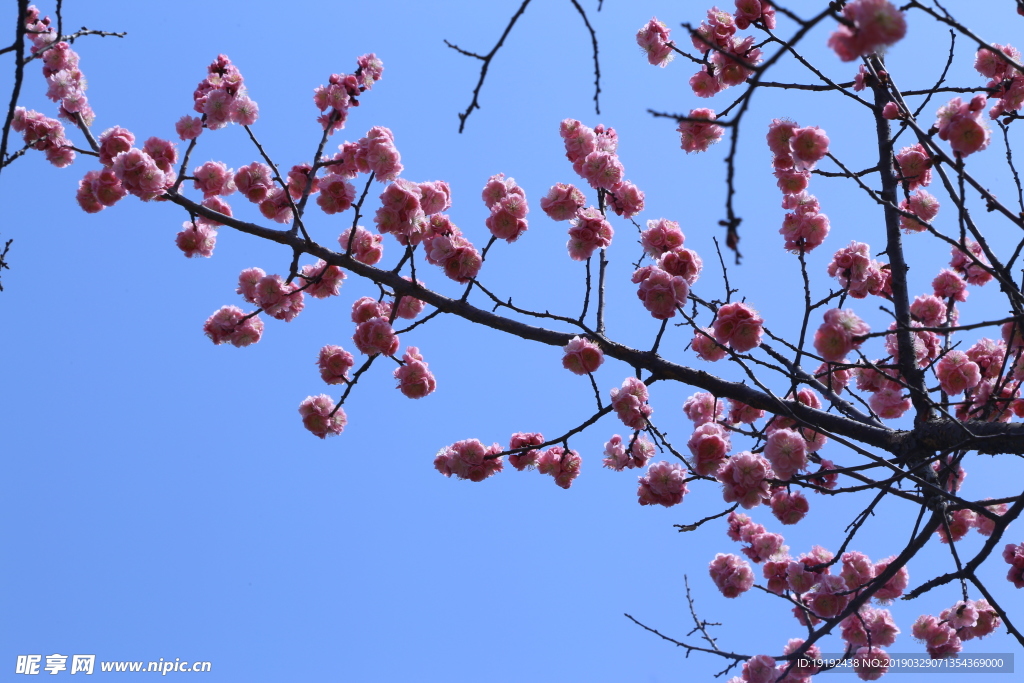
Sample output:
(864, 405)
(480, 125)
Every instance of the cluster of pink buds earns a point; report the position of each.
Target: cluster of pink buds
(618, 458)
(221, 99)
(858, 273)
(65, 81)
(795, 153)
(840, 333)
(731, 574)
(592, 152)
(699, 133)
(506, 201)
(1006, 82)
(961, 124)
(376, 153)
(469, 459)
(374, 333)
(739, 326)
(732, 59)
(630, 403)
(44, 134)
(406, 206)
(321, 417)
(446, 247)
(414, 377)
(943, 636)
(871, 26)
(342, 92)
(582, 356)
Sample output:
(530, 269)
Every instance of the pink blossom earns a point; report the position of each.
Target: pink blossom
(322, 280)
(162, 152)
(625, 199)
(661, 235)
(826, 599)
(841, 332)
(214, 178)
(371, 69)
(653, 38)
(661, 292)
(742, 413)
(664, 484)
(367, 247)
(582, 356)
(765, 546)
(435, 197)
(939, 637)
(703, 407)
(793, 182)
(961, 124)
(921, 204)
(227, 325)
(957, 373)
(834, 378)
(894, 587)
(336, 194)
(468, 459)
(196, 240)
(775, 574)
(188, 127)
(695, 136)
(464, 263)
(853, 266)
(414, 377)
(891, 111)
(809, 145)
(705, 346)
(254, 181)
(562, 202)
(140, 175)
(787, 452)
(929, 310)
(960, 522)
(889, 403)
(949, 285)
(744, 479)
(876, 25)
(986, 526)
(709, 444)
(988, 354)
(334, 363)
(112, 142)
(974, 270)
(589, 232)
(630, 403)
(563, 465)
(279, 299)
(759, 669)
(528, 458)
(366, 308)
(684, 263)
(731, 574)
(789, 507)
(704, 84)
(378, 154)
(804, 232)
(750, 11)
(376, 336)
(321, 417)
(739, 326)
(247, 281)
(914, 167)
(243, 111)
(506, 220)
(618, 458)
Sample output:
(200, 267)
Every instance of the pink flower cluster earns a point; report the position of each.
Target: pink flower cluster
(709, 444)
(914, 167)
(562, 464)
(221, 97)
(744, 478)
(1006, 83)
(321, 417)
(697, 136)
(841, 333)
(374, 333)
(367, 247)
(664, 484)
(322, 280)
(957, 373)
(44, 134)
(562, 202)
(795, 152)
(973, 268)
(943, 636)
(789, 507)
(661, 291)
(229, 324)
(469, 459)
(65, 82)
(653, 39)
(813, 440)
(761, 545)
(923, 205)
(334, 363)
(507, 203)
(630, 403)
(961, 124)
(446, 247)
(582, 356)
(858, 273)
(1014, 556)
(592, 152)
(145, 172)
(617, 458)
(731, 574)
(731, 58)
(414, 377)
(376, 153)
(588, 232)
(738, 326)
(404, 209)
(342, 91)
(529, 457)
(279, 299)
(877, 24)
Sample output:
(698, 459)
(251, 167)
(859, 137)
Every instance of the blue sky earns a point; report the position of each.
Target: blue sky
(162, 498)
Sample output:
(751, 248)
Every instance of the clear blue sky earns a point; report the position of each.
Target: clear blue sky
(161, 497)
